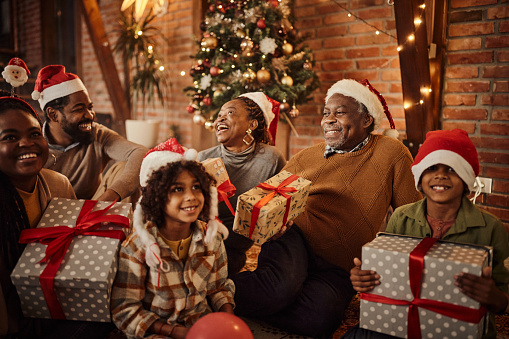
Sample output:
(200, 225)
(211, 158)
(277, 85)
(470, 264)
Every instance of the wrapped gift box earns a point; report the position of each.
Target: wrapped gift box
(388, 255)
(271, 216)
(215, 167)
(84, 279)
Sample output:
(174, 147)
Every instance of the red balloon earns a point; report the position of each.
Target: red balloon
(219, 325)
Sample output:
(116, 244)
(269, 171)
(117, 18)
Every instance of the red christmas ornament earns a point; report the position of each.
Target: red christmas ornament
(274, 3)
(261, 23)
(214, 70)
(212, 8)
(207, 101)
(190, 109)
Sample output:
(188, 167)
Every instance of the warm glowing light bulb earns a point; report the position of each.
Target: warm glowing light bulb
(399, 48)
(182, 73)
(406, 105)
(417, 21)
(421, 101)
(349, 15)
(235, 56)
(150, 48)
(422, 6)
(140, 33)
(411, 37)
(233, 66)
(377, 32)
(429, 90)
(161, 68)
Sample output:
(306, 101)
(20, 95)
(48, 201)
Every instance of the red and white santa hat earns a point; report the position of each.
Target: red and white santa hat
(366, 94)
(16, 64)
(452, 148)
(270, 109)
(53, 83)
(161, 155)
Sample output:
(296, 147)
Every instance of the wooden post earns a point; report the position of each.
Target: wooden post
(107, 64)
(415, 72)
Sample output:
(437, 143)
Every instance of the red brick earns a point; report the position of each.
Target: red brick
(464, 114)
(495, 100)
(497, 200)
(487, 142)
(467, 86)
(497, 12)
(363, 52)
(331, 31)
(397, 112)
(300, 12)
(496, 172)
(359, 75)
(500, 114)
(363, 28)
(494, 157)
(383, 12)
(495, 129)
(337, 18)
(390, 50)
(372, 39)
(329, 54)
(465, 16)
(337, 65)
(504, 27)
(393, 100)
(459, 99)
(308, 23)
(355, 4)
(501, 86)
(395, 63)
(328, 9)
(471, 29)
(500, 186)
(499, 212)
(396, 88)
(463, 72)
(470, 58)
(335, 42)
(372, 63)
(466, 126)
(391, 75)
(471, 3)
(503, 56)
(464, 44)
(497, 42)
(496, 72)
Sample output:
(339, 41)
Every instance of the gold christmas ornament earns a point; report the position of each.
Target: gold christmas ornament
(246, 44)
(287, 80)
(198, 119)
(263, 75)
(249, 75)
(217, 92)
(287, 48)
(284, 107)
(209, 42)
(307, 66)
(294, 112)
(240, 33)
(209, 125)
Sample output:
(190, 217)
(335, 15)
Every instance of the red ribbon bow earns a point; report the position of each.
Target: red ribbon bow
(280, 189)
(226, 190)
(58, 239)
(415, 267)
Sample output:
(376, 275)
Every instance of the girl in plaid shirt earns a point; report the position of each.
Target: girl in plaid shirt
(173, 268)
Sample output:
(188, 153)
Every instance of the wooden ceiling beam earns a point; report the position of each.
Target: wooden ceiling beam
(104, 56)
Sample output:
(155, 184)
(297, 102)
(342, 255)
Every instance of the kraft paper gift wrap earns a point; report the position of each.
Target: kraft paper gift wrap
(215, 167)
(388, 255)
(84, 278)
(271, 216)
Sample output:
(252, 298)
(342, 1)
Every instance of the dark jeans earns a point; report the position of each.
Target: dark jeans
(293, 289)
(360, 333)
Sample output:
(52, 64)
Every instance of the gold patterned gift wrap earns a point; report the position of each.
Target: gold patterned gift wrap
(263, 210)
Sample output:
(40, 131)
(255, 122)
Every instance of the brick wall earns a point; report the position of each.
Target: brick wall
(476, 90)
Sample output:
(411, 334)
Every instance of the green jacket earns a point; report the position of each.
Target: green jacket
(473, 226)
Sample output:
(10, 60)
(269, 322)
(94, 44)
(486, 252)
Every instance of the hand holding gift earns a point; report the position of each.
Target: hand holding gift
(363, 280)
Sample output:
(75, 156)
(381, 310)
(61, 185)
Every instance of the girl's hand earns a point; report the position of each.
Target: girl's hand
(228, 308)
(363, 280)
(282, 230)
(482, 289)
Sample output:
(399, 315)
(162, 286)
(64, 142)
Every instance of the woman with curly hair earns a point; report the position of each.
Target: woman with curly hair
(246, 128)
(173, 269)
(25, 190)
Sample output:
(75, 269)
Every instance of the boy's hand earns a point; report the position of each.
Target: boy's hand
(482, 289)
(363, 280)
(282, 230)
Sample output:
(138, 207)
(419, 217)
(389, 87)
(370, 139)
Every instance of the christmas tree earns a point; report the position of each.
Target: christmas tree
(249, 46)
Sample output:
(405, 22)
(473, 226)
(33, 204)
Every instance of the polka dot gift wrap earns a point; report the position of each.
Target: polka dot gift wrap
(389, 254)
(84, 278)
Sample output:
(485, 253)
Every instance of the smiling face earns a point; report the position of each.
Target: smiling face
(76, 118)
(185, 201)
(344, 127)
(231, 124)
(441, 185)
(23, 149)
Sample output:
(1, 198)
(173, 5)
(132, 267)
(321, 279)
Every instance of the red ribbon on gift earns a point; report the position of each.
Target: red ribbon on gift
(226, 190)
(415, 267)
(280, 189)
(58, 239)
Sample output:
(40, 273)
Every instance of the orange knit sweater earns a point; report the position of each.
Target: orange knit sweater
(350, 195)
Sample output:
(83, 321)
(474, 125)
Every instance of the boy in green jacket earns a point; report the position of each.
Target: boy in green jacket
(444, 171)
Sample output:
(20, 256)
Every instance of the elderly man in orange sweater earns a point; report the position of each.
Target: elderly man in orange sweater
(302, 283)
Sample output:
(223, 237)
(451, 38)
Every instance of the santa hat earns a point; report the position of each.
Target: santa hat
(270, 109)
(363, 92)
(53, 83)
(16, 64)
(451, 148)
(161, 155)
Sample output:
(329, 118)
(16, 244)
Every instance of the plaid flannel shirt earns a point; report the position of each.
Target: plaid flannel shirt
(186, 292)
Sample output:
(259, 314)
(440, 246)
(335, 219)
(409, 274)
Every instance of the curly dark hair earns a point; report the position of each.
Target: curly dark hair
(155, 193)
(57, 104)
(8, 102)
(261, 133)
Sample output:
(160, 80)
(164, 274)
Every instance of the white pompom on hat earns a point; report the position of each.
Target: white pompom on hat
(53, 83)
(366, 94)
(452, 148)
(161, 155)
(270, 109)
